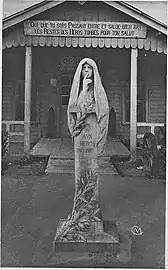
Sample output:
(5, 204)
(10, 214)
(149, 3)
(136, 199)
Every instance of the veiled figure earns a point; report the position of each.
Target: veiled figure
(88, 116)
(87, 96)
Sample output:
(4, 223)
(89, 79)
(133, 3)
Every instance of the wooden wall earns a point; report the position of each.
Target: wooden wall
(46, 67)
(13, 69)
(114, 68)
(91, 11)
(152, 67)
(47, 63)
(12, 73)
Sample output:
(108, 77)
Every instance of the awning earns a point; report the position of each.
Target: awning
(152, 42)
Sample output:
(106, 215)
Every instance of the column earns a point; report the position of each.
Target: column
(133, 103)
(27, 108)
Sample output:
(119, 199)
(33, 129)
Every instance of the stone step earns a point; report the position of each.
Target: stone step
(63, 148)
(60, 166)
(56, 165)
(105, 167)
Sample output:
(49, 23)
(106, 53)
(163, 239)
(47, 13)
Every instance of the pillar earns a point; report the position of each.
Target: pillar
(27, 107)
(133, 101)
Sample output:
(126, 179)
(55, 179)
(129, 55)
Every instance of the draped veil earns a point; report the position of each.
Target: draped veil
(101, 102)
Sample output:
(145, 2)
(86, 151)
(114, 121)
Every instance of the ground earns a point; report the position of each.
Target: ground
(33, 203)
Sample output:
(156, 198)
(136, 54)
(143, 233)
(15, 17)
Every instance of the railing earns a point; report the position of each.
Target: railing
(8, 125)
(151, 125)
(15, 133)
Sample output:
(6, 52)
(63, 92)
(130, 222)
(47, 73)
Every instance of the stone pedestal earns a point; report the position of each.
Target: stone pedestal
(100, 248)
(96, 240)
(84, 229)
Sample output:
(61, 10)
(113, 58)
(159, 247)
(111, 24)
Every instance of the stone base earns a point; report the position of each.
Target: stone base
(97, 240)
(105, 245)
(82, 260)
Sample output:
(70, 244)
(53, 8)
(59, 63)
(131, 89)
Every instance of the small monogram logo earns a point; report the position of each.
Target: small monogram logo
(136, 230)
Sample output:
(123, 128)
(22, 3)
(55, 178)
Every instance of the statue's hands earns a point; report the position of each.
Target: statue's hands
(78, 127)
(86, 81)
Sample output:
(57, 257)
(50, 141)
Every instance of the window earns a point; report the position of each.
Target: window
(66, 87)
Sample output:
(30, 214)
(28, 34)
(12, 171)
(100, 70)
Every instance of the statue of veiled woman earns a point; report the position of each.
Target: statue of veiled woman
(88, 115)
(87, 96)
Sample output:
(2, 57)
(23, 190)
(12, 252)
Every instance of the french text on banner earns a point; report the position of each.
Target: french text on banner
(85, 29)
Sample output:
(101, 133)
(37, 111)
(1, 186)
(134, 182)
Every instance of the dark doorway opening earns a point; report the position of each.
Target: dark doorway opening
(112, 124)
(51, 126)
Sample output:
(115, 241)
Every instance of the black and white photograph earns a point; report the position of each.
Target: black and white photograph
(83, 134)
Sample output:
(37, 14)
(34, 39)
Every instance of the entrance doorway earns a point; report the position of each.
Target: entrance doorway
(112, 123)
(51, 123)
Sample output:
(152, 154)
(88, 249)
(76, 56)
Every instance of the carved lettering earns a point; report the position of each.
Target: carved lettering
(87, 143)
(87, 136)
(84, 150)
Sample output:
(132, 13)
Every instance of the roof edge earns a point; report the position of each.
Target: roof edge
(138, 15)
(29, 12)
(144, 14)
(119, 5)
(24, 10)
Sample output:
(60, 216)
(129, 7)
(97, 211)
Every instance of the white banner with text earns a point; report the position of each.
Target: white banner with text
(85, 29)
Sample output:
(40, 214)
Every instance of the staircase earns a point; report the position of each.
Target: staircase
(56, 165)
(61, 155)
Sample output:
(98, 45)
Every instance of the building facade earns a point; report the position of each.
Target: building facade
(42, 47)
